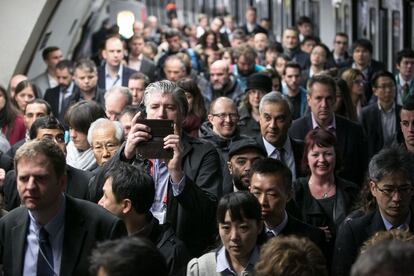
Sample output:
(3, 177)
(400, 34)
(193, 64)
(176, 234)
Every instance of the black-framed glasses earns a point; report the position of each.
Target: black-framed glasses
(390, 191)
(223, 116)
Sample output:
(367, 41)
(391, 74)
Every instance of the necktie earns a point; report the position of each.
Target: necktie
(406, 90)
(270, 235)
(45, 256)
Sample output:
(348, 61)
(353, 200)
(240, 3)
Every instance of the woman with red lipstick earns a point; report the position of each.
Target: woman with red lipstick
(323, 198)
(241, 232)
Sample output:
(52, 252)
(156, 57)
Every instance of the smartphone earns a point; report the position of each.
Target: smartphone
(154, 148)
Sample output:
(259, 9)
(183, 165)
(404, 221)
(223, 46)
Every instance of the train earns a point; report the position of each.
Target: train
(30, 26)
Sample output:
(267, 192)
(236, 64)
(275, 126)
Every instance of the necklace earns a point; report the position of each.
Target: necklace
(325, 194)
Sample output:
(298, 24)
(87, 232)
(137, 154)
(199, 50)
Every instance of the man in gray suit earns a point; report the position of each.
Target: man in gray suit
(51, 56)
(52, 233)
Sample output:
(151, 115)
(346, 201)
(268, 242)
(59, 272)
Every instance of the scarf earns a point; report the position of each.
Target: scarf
(84, 160)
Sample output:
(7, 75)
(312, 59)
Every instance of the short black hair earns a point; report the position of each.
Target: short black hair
(364, 43)
(130, 182)
(241, 205)
(65, 64)
(82, 114)
(380, 74)
(304, 20)
(292, 64)
(273, 167)
(46, 122)
(404, 53)
(322, 79)
(128, 257)
(48, 50)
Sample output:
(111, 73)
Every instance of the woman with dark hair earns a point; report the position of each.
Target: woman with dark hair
(196, 110)
(343, 103)
(11, 122)
(79, 117)
(24, 93)
(323, 198)
(241, 232)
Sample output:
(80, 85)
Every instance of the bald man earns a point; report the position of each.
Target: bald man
(222, 84)
(221, 130)
(113, 73)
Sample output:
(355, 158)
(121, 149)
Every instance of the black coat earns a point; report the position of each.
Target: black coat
(77, 186)
(85, 224)
(351, 143)
(172, 248)
(371, 122)
(352, 234)
(192, 214)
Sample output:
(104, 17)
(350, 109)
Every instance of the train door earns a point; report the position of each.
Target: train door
(277, 21)
(343, 17)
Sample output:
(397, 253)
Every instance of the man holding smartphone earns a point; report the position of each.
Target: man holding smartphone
(188, 185)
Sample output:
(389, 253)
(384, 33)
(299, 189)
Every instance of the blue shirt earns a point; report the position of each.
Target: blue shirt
(161, 180)
(223, 266)
(280, 227)
(388, 225)
(55, 228)
(111, 82)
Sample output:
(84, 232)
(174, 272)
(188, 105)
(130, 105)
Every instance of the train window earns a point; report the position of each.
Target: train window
(362, 29)
(383, 36)
(262, 9)
(347, 19)
(314, 13)
(287, 14)
(277, 19)
(396, 34)
(372, 25)
(338, 19)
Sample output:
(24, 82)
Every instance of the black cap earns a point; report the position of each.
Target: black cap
(245, 143)
(259, 81)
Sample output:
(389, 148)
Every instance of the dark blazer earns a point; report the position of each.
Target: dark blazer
(257, 29)
(12, 151)
(77, 186)
(371, 122)
(6, 162)
(126, 73)
(301, 229)
(351, 143)
(148, 68)
(52, 97)
(192, 214)
(85, 225)
(352, 234)
(297, 147)
(343, 63)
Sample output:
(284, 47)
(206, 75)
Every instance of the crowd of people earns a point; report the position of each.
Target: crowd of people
(286, 157)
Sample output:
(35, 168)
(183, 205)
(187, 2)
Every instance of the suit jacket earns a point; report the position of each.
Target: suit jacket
(42, 82)
(301, 229)
(52, 97)
(126, 73)
(297, 147)
(148, 68)
(352, 234)
(77, 186)
(351, 144)
(192, 214)
(12, 151)
(6, 162)
(371, 122)
(85, 225)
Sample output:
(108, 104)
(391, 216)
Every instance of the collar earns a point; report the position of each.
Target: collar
(139, 58)
(331, 126)
(55, 223)
(388, 225)
(392, 109)
(147, 229)
(402, 82)
(222, 263)
(120, 71)
(270, 148)
(276, 231)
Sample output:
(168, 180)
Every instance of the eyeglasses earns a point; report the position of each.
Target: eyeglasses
(60, 138)
(359, 82)
(386, 86)
(390, 191)
(223, 116)
(108, 147)
(341, 42)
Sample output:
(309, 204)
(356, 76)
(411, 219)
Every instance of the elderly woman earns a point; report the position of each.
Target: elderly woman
(323, 198)
(241, 232)
(79, 118)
